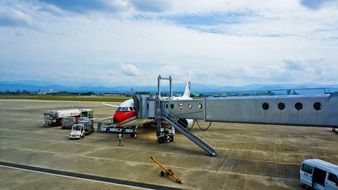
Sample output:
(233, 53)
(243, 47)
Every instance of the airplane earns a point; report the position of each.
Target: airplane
(126, 116)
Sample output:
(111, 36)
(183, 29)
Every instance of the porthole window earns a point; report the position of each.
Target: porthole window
(281, 106)
(172, 106)
(180, 105)
(317, 106)
(189, 106)
(298, 106)
(265, 106)
(199, 106)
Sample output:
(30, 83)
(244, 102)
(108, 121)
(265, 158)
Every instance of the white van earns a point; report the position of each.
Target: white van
(319, 174)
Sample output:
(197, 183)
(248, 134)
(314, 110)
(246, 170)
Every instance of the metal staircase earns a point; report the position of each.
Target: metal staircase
(176, 124)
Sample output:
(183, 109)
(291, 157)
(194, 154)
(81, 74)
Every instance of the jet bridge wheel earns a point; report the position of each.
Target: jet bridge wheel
(165, 139)
(160, 140)
(133, 135)
(306, 186)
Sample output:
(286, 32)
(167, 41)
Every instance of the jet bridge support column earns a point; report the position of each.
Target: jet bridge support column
(159, 85)
(158, 114)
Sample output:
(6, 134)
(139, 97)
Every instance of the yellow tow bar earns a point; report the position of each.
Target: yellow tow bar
(166, 171)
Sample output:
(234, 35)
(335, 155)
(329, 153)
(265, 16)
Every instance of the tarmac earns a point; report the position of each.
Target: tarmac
(250, 156)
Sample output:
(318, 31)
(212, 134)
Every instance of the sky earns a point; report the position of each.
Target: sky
(131, 42)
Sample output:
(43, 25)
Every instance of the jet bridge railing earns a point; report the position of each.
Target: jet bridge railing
(178, 126)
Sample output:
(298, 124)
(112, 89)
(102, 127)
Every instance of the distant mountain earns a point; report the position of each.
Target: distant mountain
(177, 88)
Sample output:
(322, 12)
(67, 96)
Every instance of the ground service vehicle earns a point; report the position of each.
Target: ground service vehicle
(108, 125)
(84, 127)
(104, 124)
(87, 113)
(88, 125)
(77, 131)
(68, 122)
(55, 117)
(319, 174)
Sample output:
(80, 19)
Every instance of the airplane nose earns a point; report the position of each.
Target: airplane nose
(122, 116)
(117, 118)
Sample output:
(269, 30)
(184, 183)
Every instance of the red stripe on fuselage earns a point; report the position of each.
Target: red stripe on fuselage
(121, 116)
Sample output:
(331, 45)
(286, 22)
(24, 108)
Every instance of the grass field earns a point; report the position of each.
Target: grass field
(68, 98)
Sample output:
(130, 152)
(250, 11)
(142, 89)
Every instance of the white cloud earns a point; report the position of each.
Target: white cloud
(11, 16)
(129, 69)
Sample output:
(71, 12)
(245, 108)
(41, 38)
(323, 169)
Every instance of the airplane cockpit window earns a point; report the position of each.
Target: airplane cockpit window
(333, 178)
(123, 109)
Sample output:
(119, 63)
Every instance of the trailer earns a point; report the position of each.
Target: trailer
(68, 122)
(54, 118)
(88, 125)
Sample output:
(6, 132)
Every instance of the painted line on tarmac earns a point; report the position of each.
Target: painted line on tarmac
(80, 176)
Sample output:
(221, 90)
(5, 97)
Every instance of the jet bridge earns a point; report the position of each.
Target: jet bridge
(298, 110)
(304, 110)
